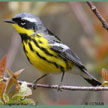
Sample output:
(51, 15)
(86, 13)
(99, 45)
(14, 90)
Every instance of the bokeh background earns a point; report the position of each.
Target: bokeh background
(76, 25)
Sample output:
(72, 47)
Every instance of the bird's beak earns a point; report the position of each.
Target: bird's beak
(9, 21)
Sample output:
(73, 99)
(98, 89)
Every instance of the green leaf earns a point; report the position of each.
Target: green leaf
(19, 100)
(1, 102)
(24, 90)
(5, 98)
(27, 102)
(105, 83)
(14, 100)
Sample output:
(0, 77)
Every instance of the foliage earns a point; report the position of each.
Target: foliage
(105, 77)
(11, 92)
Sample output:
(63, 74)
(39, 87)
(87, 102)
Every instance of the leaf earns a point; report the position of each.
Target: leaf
(17, 99)
(2, 67)
(27, 102)
(2, 87)
(105, 83)
(5, 97)
(13, 80)
(11, 74)
(24, 90)
(9, 84)
(20, 97)
(1, 102)
(105, 74)
(15, 74)
(28, 92)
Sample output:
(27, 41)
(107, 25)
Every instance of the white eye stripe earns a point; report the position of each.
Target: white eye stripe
(29, 19)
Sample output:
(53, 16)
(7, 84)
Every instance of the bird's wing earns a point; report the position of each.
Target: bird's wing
(52, 34)
(65, 52)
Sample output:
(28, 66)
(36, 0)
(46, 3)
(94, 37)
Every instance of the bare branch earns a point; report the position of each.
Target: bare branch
(63, 87)
(97, 13)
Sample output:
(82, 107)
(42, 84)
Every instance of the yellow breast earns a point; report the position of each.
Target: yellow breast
(43, 58)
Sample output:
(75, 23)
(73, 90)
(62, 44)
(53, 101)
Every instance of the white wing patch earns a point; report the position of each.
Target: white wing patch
(30, 19)
(65, 47)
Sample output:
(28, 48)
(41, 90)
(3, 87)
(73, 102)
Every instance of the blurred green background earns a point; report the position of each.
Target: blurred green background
(76, 25)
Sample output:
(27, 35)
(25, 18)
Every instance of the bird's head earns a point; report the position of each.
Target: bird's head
(26, 23)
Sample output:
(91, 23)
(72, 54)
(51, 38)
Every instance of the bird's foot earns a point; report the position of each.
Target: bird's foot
(59, 87)
(34, 85)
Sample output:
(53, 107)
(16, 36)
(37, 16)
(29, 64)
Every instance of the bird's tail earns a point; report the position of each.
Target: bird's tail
(89, 78)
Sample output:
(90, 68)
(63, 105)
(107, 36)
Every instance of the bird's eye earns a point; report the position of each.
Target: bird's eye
(23, 22)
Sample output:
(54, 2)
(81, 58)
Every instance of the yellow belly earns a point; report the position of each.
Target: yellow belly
(43, 65)
(45, 62)
(40, 58)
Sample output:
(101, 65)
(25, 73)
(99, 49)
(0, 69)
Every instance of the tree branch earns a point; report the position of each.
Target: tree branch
(97, 13)
(63, 87)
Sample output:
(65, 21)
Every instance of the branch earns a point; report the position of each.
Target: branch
(63, 87)
(97, 13)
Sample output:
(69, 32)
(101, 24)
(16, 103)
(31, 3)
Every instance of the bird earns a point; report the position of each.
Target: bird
(45, 51)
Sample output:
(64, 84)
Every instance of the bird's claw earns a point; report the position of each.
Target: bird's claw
(59, 88)
(34, 85)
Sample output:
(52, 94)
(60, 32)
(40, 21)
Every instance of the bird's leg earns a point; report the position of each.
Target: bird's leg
(35, 81)
(59, 89)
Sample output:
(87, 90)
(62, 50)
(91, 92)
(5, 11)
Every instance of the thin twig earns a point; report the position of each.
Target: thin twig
(63, 87)
(97, 13)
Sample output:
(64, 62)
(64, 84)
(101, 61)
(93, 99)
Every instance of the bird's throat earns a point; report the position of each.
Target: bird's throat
(22, 30)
